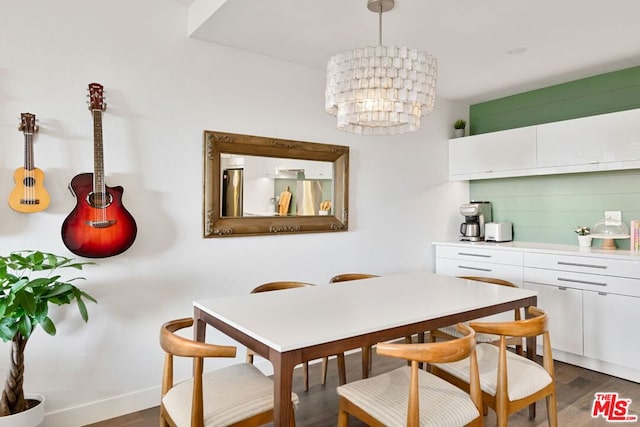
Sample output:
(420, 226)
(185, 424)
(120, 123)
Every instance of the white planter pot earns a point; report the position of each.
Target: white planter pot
(584, 241)
(30, 418)
(458, 133)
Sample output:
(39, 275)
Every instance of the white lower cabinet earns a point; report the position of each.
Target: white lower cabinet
(609, 324)
(593, 299)
(564, 306)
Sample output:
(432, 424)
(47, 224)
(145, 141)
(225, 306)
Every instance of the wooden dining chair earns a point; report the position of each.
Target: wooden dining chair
(411, 396)
(366, 351)
(449, 332)
(510, 382)
(367, 360)
(238, 395)
(279, 286)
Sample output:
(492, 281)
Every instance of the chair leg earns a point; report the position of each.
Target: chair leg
(342, 370)
(552, 410)
(365, 361)
(325, 363)
(343, 416)
(305, 368)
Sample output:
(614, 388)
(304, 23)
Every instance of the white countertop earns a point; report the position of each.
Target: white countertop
(301, 317)
(555, 248)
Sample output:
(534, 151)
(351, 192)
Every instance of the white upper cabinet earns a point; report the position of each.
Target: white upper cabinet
(597, 143)
(603, 142)
(493, 155)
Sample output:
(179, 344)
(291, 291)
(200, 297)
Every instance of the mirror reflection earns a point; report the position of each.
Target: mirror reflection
(256, 185)
(273, 186)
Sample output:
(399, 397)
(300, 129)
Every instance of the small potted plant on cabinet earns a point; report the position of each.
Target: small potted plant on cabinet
(458, 127)
(584, 238)
(29, 283)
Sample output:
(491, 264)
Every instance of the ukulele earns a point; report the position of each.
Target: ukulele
(99, 226)
(29, 194)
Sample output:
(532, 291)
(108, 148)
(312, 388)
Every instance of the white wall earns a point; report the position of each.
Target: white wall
(163, 89)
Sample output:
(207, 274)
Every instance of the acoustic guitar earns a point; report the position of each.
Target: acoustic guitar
(99, 226)
(29, 194)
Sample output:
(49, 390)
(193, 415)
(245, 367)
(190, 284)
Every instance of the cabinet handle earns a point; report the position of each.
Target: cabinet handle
(594, 162)
(602, 293)
(586, 282)
(476, 255)
(576, 264)
(475, 268)
(562, 288)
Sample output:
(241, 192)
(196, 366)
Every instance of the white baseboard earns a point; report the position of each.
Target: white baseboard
(101, 410)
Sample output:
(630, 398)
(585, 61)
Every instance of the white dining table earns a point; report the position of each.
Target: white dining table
(296, 325)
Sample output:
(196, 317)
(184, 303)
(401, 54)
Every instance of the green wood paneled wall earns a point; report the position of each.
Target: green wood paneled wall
(601, 94)
(548, 208)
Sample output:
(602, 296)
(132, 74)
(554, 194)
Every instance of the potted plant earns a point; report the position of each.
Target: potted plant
(29, 283)
(459, 126)
(584, 239)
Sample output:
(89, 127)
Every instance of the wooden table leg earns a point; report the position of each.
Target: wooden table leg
(283, 365)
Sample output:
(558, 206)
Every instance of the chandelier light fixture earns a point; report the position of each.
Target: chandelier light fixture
(380, 90)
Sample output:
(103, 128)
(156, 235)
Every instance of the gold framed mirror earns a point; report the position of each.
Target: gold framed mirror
(257, 185)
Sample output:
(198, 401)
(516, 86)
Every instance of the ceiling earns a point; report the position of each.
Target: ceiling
(485, 49)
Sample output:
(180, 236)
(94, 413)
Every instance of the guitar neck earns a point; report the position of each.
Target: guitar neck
(98, 162)
(28, 151)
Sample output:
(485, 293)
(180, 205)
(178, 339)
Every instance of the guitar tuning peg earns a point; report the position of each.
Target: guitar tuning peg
(36, 128)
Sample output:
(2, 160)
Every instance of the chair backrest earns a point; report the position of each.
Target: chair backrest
(175, 345)
(350, 276)
(516, 312)
(439, 352)
(536, 325)
(277, 286)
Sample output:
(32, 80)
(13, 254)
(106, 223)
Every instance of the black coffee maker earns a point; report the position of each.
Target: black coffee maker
(476, 215)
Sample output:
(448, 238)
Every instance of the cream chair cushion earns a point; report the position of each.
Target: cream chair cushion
(525, 376)
(451, 330)
(385, 397)
(231, 394)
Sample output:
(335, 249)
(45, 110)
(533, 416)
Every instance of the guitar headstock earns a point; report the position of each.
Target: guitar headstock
(28, 123)
(96, 97)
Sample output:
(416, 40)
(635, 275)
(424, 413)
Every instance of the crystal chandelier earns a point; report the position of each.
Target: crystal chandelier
(380, 90)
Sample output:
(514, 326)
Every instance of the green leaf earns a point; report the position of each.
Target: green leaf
(27, 301)
(48, 326)
(82, 308)
(25, 327)
(6, 332)
(19, 285)
(89, 297)
(57, 290)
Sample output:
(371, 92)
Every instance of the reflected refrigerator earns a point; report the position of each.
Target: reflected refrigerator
(232, 183)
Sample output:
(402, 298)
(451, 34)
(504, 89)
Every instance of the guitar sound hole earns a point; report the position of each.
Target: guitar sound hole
(99, 200)
(29, 181)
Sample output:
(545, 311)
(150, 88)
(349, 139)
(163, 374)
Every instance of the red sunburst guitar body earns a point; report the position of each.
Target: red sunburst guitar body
(99, 226)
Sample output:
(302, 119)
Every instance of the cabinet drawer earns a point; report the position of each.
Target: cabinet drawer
(453, 267)
(480, 255)
(588, 265)
(591, 282)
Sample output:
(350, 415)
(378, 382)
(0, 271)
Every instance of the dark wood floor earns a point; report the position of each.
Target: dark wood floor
(318, 406)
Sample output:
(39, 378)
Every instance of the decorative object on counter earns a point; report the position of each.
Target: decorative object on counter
(99, 225)
(403, 90)
(29, 194)
(29, 284)
(610, 231)
(584, 238)
(458, 128)
(634, 225)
